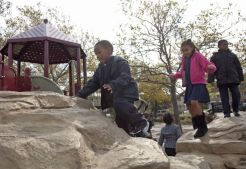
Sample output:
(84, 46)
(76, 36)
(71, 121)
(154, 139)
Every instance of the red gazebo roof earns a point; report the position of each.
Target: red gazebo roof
(29, 47)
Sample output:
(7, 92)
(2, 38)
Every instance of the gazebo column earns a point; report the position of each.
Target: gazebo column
(10, 54)
(1, 71)
(78, 68)
(71, 79)
(84, 70)
(46, 58)
(18, 68)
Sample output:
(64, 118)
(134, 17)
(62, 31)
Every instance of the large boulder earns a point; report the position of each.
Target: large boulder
(196, 161)
(225, 136)
(225, 142)
(44, 130)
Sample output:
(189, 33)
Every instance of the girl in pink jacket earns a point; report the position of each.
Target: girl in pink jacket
(193, 69)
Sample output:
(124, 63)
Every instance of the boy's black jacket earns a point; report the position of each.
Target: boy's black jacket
(115, 72)
(229, 69)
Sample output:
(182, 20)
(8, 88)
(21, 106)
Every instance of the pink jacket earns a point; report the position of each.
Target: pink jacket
(198, 68)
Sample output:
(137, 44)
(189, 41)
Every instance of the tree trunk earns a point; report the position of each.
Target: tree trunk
(155, 109)
(175, 103)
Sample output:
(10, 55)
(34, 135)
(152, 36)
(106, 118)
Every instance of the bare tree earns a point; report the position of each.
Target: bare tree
(154, 32)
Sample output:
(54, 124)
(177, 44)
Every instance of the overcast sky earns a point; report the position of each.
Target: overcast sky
(102, 17)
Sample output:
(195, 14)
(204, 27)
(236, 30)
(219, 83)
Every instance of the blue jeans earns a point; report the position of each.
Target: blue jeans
(224, 94)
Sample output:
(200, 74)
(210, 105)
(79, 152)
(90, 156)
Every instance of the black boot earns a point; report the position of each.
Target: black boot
(201, 125)
(194, 123)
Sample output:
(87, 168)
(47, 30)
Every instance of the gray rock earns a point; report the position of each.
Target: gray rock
(196, 161)
(225, 136)
(223, 147)
(44, 130)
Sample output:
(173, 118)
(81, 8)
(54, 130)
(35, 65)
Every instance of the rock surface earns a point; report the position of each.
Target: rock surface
(224, 147)
(40, 130)
(196, 161)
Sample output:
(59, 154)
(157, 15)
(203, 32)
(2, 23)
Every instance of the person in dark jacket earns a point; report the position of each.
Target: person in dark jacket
(229, 75)
(118, 89)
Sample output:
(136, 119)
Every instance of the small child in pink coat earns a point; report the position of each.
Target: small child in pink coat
(193, 69)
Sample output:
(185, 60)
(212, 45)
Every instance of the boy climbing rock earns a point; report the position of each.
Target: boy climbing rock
(118, 90)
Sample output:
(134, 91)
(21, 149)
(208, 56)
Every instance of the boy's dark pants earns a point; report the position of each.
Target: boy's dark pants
(224, 94)
(126, 114)
(170, 151)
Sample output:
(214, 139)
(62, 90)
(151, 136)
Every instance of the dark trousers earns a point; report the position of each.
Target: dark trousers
(170, 151)
(127, 114)
(224, 94)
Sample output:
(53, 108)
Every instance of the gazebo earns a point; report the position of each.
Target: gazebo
(45, 44)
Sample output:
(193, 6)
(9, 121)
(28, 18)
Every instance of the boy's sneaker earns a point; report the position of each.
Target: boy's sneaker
(236, 114)
(227, 115)
(141, 129)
